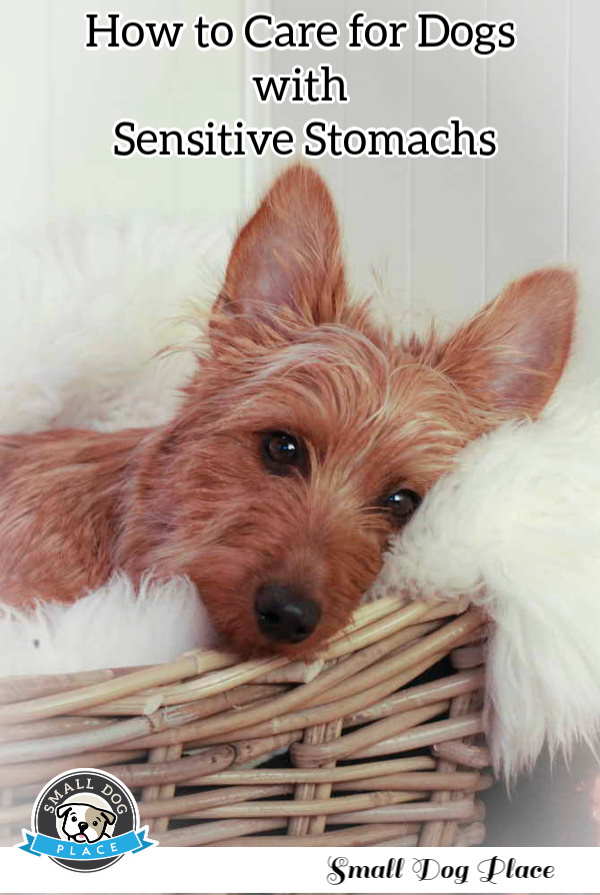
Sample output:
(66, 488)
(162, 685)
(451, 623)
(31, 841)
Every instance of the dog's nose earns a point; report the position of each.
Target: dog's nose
(82, 825)
(285, 614)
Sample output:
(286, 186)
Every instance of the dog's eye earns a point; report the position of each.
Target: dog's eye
(282, 452)
(95, 822)
(401, 505)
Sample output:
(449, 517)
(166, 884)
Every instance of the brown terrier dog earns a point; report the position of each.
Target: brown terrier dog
(306, 439)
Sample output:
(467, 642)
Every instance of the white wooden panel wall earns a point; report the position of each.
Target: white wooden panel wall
(444, 234)
(59, 102)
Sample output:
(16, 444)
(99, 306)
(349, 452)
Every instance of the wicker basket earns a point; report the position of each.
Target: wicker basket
(371, 743)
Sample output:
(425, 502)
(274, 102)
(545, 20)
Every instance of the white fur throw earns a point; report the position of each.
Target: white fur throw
(112, 627)
(516, 526)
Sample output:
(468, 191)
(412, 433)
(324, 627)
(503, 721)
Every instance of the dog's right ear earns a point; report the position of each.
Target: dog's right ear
(62, 810)
(510, 356)
(288, 254)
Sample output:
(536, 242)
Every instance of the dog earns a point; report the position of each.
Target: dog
(84, 823)
(305, 439)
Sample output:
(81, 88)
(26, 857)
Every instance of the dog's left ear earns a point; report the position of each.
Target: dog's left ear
(108, 816)
(509, 357)
(62, 809)
(288, 254)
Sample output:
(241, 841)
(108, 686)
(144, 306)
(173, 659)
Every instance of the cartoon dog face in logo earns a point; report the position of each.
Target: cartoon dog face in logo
(82, 822)
(85, 820)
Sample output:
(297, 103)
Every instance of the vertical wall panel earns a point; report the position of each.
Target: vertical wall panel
(24, 95)
(528, 104)
(584, 174)
(377, 202)
(448, 202)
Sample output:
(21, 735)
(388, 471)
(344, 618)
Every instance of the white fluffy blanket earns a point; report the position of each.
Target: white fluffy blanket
(112, 627)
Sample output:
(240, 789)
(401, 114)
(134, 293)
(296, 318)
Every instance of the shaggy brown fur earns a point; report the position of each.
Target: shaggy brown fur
(286, 352)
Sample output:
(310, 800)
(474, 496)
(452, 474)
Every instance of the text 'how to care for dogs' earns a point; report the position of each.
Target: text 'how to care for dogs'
(262, 32)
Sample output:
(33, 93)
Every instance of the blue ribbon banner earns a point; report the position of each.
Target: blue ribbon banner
(39, 844)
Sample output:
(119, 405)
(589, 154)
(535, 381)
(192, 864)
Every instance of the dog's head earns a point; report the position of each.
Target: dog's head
(83, 823)
(310, 435)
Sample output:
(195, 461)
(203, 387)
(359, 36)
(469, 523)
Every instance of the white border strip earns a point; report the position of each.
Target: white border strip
(309, 870)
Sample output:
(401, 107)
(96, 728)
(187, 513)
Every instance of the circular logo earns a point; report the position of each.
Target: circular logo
(85, 820)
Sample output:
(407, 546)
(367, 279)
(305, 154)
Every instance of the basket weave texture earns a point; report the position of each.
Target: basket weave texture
(366, 752)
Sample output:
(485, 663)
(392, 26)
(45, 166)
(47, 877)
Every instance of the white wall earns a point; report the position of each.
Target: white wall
(445, 233)
(59, 102)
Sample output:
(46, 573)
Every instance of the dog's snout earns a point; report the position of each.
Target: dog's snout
(285, 613)
(82, 825)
